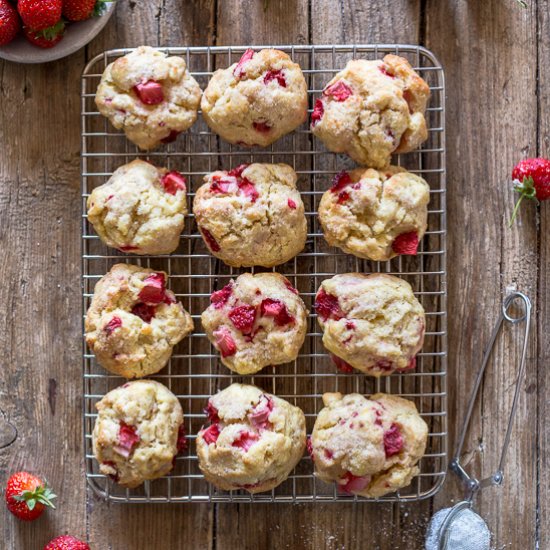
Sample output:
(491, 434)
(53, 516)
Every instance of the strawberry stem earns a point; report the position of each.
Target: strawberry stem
(41, 494)
(515, 212)
(526, 188)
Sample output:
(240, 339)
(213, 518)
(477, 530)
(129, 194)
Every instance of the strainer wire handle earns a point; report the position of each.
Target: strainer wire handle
(497, 477)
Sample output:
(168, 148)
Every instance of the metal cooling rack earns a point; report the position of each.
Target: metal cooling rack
(194, 372)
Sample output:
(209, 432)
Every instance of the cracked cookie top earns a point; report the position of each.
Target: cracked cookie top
(375, 214)
(141, 209)
(149, 95)
(138, 432)
(368, 446)
(254, 439)
(252, 215)
(372, 109)
(256, 321)
(257, 100)
(134, 321)
(373, 323)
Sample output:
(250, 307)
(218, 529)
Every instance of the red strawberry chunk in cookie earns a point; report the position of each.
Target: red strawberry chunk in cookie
(150, 92)
(385, 71)
(211, 434)
(210, 241)
(340, 182)
(128, 248)
(223, 185)
(114, 323)
(245, 58)
(339, 91)
(290, 287)
(343, 197)
(277, 310)
(225, 342)
(173, 182)
(327, 306)
(243, 317)
(259, 416)
(181, 443)
(318, 112)
(144, 311)
(248, 189)
(383, 364)
(154, 290)
(171, 137)
(261, 126)
(353, 484)
(245, 440)
(275, 75)
(393, 441)
(220, 297)
(291, 204)
(127, 440)
(212, 413)
(406, 243)
(238, 171)
(309, 447)
(341, 364)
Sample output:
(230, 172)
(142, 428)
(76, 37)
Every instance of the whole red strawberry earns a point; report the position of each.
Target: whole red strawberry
(79, 10)
(10, 25)
(66, 542)
(27, 496)
(531, 179)
(46, 38)
(39, 14)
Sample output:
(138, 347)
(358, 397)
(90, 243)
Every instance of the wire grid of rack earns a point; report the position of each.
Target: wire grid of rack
(194, 372)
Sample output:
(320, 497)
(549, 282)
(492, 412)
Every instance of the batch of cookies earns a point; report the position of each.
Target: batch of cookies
(248, 216)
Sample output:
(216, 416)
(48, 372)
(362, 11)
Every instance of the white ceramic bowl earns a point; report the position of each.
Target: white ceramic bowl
(76, 36)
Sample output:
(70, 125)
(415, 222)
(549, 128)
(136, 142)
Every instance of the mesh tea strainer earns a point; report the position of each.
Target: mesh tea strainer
(459, 527)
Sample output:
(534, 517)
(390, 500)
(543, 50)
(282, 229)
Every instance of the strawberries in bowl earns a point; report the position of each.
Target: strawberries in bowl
(36, 31)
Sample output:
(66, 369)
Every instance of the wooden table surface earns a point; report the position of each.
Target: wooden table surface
(496, 57)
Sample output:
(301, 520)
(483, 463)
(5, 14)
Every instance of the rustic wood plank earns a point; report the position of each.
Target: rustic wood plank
(486, 137)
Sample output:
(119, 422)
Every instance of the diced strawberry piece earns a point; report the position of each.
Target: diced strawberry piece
(406, 243)
(238, 171)
(277, 310)
(339, 91)
(393, 441)
(340, 182)
(248, 189)
(212, 413)
(290, 287)
(261, 126)
(219, 297)
(328, 454)
(150, 92)
(259, 416)
(275, 75)
(383, 364)
(246, 57)
(350, 325)
(173, 182)
(181, 443)
(144, 311)
(385, 71)
(211, 434)
(221, 184)
(291, 204)
(128, 248)
(341, 364)
(343, 197)
(210, 241)
(327, 306)
(318, 112)
(243, 317)
(245, 440)
(309, 447)
(127, 440)
(225, 342)
(171, 137)
(154, 291)
(353, 484)
(114, 323)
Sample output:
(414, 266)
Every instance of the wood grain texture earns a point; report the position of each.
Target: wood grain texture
(496, 113)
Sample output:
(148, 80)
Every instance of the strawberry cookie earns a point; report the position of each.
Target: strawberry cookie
(257, 100)
(256, 321)
(375, 214)
(134, 321)
(150, 96)
(141, 209)
(369, 447)
(138, 432)
(252, 215)
(372, 323)
(372, 109)
(254, 439)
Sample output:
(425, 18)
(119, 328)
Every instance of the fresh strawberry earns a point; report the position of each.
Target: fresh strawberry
(531, 179)
(39, 14)
(27, 496)
(79, 10)
(66, 542)
(10, 25)
(47, 38)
